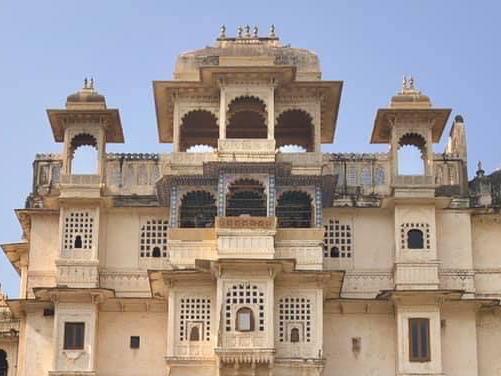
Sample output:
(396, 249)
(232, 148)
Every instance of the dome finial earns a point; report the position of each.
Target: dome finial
(91, 86)
(85, 83)
(247, 31)
(480, 171)
(222, 32)
(239, 32)
(255, 32)
(272, 31)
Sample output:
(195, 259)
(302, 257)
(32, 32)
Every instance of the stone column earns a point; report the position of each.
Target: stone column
(222, 113)
(271, 114)
(176, 125)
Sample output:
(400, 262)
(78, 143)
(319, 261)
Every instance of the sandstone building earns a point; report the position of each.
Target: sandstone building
(233, 255)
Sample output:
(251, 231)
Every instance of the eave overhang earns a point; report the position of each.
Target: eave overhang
(15, 252)
(110, 118)
(62, 293)
(381, 133)
(283, 77)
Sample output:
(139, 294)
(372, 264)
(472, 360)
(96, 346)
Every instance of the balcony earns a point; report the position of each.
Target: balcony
(245, 237)
(80, 186)
(413, 181)
(302, 244)
(246, 150)
(188, 244)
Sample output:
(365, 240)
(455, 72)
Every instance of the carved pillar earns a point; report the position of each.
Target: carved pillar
(222, 114)
(171, 315)
(271, 114)
(176, 125)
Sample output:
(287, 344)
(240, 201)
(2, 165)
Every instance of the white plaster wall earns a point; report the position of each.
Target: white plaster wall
(459, 347)
(114, 355)
(375, 251)
(454, 243)
(489, 350)
(486, 244)
(44, 243)
(122, 236)
(370, 252)
(39, 344)
(377, 355)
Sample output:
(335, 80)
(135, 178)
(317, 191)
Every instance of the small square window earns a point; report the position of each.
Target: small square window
(134, 342)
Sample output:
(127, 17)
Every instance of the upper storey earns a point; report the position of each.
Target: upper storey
(247, 87)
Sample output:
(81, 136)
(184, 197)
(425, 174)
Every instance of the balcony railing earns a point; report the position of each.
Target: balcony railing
(412, 180)
(80, 179)
(246, 223)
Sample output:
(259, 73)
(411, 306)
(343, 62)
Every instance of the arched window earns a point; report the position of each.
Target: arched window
(415, 239)
(198, 210)
(245, 320)
(294, 335)
(246, 197)
(198, 127)
(294, 127)
(411, 155)
(4, 365)
(156, 252)
(195, 333)
(294, 210)
(83, 154)
(247, 118)
(78, 242)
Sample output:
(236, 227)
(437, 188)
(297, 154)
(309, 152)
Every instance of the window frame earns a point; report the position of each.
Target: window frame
(70, 339)
(244, 310)
(420, 358)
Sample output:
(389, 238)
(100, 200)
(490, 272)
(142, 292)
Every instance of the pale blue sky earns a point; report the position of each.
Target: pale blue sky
(452, 48)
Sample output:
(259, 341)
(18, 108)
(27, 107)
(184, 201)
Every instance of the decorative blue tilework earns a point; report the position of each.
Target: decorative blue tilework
(220, 196)
(173, 207)
(271, 195)
(318, 207)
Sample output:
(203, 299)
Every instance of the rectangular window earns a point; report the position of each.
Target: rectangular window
(419, 340)
(74, 335)
(134, 342)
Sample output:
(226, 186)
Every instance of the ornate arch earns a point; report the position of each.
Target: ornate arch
(295, 126)
(294, 209)
(247, 117)
(246, 196)
(198, 127)
(197, 209)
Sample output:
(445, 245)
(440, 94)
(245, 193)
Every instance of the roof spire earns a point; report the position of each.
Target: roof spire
(91, 86)
(85, 83)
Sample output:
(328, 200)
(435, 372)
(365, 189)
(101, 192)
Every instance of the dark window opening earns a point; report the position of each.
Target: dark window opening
(335, 252)
(419, 340)
(156, 252)
(415, 239)
(246, 197)
(245, 320)
(74, 333)
(294, 335)
(294, 210)
(78, 242)
(195, 333)
(4, 365)
(247, 118)
(198, 210)
(134, 342)
(198, 127)
(411, 155)
(294, 127)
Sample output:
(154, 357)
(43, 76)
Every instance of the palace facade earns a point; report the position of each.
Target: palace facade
(248, 251)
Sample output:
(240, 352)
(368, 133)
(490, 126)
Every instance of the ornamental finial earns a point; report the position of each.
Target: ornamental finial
(255, 32)
(85, 83)
(91, 86)
(411, 83)
(239, 32)
(272, 31)
(247, 31)
(222, 32)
